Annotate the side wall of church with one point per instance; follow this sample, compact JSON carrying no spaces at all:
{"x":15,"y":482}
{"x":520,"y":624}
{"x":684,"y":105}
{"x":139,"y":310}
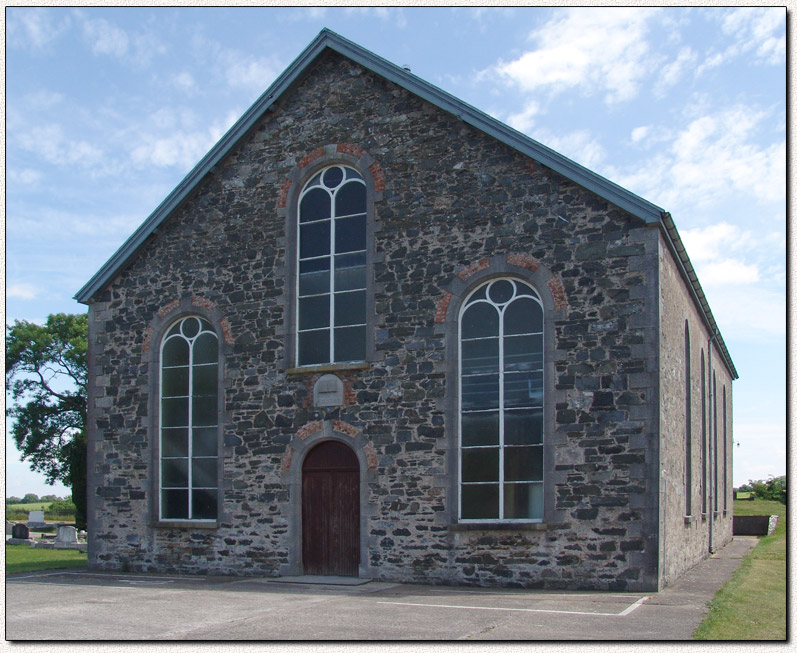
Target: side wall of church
{"x":689,"y":534}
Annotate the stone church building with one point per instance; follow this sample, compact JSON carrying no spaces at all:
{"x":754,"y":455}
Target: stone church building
{"x":377,"y":333}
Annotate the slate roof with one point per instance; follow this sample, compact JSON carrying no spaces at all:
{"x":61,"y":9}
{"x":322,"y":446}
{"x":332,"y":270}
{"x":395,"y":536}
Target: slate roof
{"x":611,"y":192}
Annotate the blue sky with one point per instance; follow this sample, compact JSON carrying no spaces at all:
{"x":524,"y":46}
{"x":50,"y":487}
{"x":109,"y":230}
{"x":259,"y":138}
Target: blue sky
{"x":107,"y":109}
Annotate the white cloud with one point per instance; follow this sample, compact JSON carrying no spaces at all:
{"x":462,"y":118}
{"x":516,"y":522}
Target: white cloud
{"x":747,"y":298}
{"x":639,"y":134}
{"x":106,"y":38}
{"x":22,"y":291}
{"x":25,"y":176}
{"x":50,"y":144}
{"x":719,"y":253}
{"x":710,"y":158}
{"x":394,"y":15}
{"x":173,"y":140}
{"x":42,"y":100}
{"x":730,"y":272}
{"x":580,"y":146}
{"x":751,"y":313}
{"x":671,"y":73}
{"x":34,"y":27}
{"x":594,"y":49}
{"x":712,"y":242}
{"x":184,"y":81}
{"x":524,"y":120}
{"x":300,"y":14}
{"x":758,"y":34}
{"x":255,"y":73}
{"x":760,"y":31}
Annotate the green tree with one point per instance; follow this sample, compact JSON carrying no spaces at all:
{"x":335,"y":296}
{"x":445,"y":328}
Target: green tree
{"x":30,"y":498}
{"x":46,"y":374}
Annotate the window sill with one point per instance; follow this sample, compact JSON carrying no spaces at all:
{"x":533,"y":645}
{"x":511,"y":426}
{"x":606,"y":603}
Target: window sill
{"x":328,"y":367}
{"x":498,"y":526}
{"x":688,"y":519}
{"x":185,"y":524}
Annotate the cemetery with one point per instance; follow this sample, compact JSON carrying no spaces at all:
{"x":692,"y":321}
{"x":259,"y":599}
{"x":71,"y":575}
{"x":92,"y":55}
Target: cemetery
{"x":38,"y":533}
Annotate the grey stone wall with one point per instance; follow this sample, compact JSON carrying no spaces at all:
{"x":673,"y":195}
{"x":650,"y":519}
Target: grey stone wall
{"x":686,"y":539}
{"x":451,"y":208}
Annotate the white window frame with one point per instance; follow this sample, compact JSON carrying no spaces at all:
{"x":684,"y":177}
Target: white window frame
{"x":315,"y":183}
{"x":205,"y":327}
{"x":501,"y":408}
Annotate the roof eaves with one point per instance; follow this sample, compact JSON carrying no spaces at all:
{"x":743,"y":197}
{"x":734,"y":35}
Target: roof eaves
{"x":688,"y":272}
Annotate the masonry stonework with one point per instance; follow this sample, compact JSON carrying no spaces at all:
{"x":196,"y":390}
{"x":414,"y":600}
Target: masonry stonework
{"x":452,"y":207}
{"x":690,"y":538}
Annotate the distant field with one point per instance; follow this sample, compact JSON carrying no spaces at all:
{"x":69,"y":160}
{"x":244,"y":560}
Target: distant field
{"x":27,"y":507}
{"x":20,"y":511}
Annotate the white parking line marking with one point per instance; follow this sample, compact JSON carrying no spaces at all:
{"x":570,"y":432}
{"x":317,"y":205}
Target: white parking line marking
{"x":124,"y":577}
{"x":624,"y":613}
{"x":529,"y":594}
{"x":55,"y":573}
{"x":633,"y":606}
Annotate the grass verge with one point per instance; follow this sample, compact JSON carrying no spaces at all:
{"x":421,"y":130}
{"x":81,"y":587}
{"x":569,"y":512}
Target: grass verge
{"x":752,"y":605}
{"x":20,"y":557}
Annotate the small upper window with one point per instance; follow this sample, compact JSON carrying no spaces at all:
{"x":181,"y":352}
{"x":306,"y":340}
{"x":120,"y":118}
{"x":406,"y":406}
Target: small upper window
{"x":189,"y":421}
{"x":331,"y":313}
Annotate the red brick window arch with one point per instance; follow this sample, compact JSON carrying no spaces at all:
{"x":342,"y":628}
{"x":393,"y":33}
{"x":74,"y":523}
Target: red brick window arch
{"x":331,"y":258}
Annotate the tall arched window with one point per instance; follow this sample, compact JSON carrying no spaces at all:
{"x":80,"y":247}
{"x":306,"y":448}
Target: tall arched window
{"x":501,"y":403}
{"x":724,"y":451}
{"x":688,"y":421}
{"x":704,"y":434}
{"x":715,"y":444}
{"x":189,"y":374}
{"x":331,"y":312}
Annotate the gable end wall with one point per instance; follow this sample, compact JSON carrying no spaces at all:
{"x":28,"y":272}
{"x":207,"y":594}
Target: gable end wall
{"x":450,"y":198}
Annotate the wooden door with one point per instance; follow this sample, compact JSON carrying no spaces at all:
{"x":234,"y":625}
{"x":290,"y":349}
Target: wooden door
{"x":331,"y":511}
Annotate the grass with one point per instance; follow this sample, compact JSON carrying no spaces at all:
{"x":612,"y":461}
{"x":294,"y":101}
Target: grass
{"x":27,"y":507}
{"x":752,"y":605}
{"x":20,"y":557}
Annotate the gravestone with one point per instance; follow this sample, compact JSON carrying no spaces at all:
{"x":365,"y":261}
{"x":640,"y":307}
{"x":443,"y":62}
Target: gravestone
{"x":9,"y":528}
{"x":36,"y":518}
{"x":20,"y":532}
{"x":66,"y":535}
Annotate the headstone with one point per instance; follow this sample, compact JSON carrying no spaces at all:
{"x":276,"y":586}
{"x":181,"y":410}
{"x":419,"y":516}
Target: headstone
{"x":328,"y":391}
{"x":9,"y":527}
{"x":20,"y":532}
{"x":36,"y":517}
{"x":66,"y":534}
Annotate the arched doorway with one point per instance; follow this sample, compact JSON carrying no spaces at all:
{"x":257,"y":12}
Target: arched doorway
{"x":331,"y":510}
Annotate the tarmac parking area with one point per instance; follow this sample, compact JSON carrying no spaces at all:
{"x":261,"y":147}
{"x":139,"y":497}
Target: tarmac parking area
{"x":86,"y":605}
